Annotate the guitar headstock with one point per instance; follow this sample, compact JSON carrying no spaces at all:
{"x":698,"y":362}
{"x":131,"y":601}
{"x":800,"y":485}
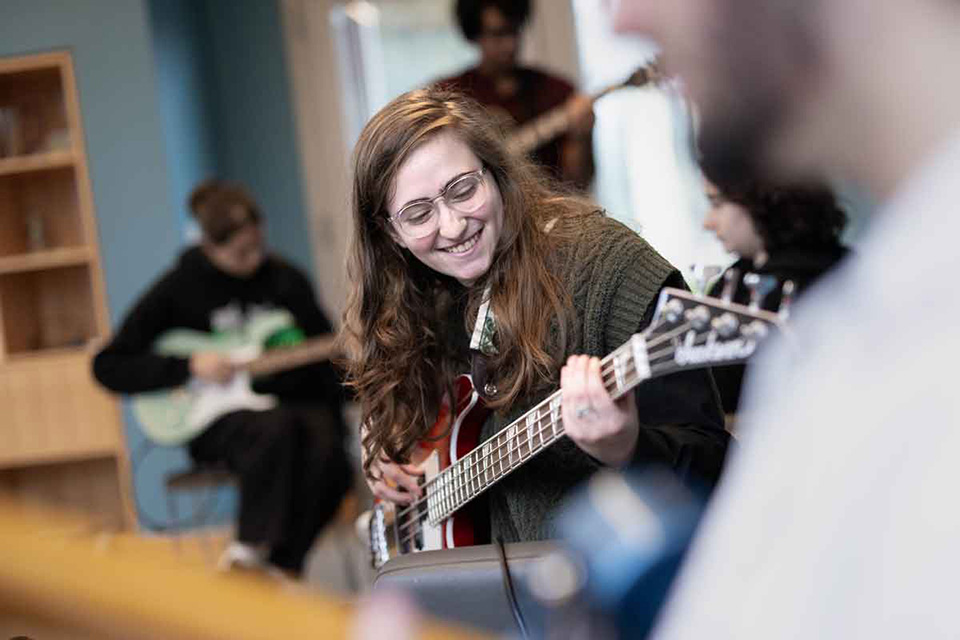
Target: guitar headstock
{"x":691,"y":331}
{"x":650,"y":73}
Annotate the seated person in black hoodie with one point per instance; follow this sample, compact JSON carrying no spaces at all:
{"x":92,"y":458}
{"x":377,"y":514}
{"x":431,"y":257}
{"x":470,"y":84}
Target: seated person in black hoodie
{"x":290,"y":459}
{"x":788,"y":233}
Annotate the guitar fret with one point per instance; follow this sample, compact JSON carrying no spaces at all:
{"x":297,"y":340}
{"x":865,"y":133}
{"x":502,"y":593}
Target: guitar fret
{"x":618,"y":371}
{"x":555,"y":406}
{"x":500,"y":453}
{"x":442,"y":497}
{"x":468,"y":468}
{"x":449,"y":486}
{"x":458,"y":490}
{"x":487,"y":467}
{"x":431,"y":506}
{"x":445,"y":494}
{"x":455,"y":491}
{"x":458,"y":496}
{"x":533,"y":421}
{"x":511,"y":443}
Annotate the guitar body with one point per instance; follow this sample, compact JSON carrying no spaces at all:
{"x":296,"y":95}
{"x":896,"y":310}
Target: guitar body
{"x":455,"y":434}
{"x":174,"y":416}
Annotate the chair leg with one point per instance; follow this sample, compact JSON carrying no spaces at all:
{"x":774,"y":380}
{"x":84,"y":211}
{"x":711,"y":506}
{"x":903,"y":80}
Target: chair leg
{"x":206,"y":545}
{"x":174,"y":523}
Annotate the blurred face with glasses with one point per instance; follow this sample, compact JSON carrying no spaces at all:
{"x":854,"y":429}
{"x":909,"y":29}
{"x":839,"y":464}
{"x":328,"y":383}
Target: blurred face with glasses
{"x":446,"y":209}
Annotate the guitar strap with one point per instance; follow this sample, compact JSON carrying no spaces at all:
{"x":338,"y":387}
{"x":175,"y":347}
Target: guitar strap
{"x":483,"y":339}
{"x":483,"y":344}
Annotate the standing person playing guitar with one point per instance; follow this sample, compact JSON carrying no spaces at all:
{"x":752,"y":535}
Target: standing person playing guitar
{"x":521,"y":93}
{"x":464,"y":259}
{"x":287,"y":451}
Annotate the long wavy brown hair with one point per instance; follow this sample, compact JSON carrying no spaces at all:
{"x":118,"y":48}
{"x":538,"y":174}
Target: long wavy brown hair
{"x":396,"y":324}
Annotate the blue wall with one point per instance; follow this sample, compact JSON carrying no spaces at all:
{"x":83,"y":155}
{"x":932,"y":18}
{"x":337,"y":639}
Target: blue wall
{"x":255,"y":131}
{"x":183,"y":79}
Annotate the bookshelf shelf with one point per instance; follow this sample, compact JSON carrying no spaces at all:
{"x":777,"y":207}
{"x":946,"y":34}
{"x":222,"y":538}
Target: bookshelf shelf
{"x":36,"y":162}
{"x":61,"y":438}
{"x":48,"y":259}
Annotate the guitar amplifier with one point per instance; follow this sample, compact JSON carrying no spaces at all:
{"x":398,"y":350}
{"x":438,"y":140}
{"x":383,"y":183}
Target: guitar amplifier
{"x":466,"y":585}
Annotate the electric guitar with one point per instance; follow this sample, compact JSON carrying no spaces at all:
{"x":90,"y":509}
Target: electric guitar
{"x":557,"y":121}
{"x":174,"y":416}
{"x":687,"y":332}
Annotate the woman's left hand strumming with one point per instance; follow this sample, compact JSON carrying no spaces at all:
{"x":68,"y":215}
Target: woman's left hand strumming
{"x":604,"y":428}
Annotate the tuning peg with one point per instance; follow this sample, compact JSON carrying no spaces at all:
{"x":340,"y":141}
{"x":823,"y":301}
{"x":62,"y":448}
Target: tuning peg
{"x":756,"y":330}
{"x":786,"y":299}
{"x":698,"y":317}
{"x":759,"y":286}
{"x":673,"y":311}
{"x":729,"y":284}
{"x":726,"y":325}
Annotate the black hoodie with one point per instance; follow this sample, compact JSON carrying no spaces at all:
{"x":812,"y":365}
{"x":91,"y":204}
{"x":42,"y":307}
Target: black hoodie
{"x":197,"y":295}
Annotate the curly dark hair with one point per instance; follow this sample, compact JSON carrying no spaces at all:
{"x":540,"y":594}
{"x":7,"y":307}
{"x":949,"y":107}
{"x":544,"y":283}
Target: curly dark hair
{"x":803,"y":216}
{"x":469,"y":13}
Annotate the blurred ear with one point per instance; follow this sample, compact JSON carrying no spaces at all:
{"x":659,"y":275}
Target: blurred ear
{"x":392,"y":230}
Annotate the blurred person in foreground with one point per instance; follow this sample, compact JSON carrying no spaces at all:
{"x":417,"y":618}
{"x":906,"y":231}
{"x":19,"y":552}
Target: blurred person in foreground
{"x":791,"y":233}
{"x":836,"y":518}
{"x":520,"y":94}
{"x":290,"y":460}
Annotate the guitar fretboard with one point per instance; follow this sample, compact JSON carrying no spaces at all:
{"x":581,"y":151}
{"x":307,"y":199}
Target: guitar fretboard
{"x":527,"y":436}
{"x":313,"y":350}
{"x":545,"y":128}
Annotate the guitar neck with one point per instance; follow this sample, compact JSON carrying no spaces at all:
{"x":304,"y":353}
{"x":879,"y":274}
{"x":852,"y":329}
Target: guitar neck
{"x":558,"y":121}
{"x":687,"y":332}
{"x":526,"y":437}
{"x":552,"y":124}
{"x":274,"y":361}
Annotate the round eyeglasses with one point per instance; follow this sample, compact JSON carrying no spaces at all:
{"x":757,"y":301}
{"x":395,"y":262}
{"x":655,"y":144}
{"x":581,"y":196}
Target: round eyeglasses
{"x":421,"y":218}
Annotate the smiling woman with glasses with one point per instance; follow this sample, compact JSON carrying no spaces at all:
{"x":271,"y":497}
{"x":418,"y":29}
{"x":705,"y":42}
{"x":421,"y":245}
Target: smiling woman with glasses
{"x":466,"y":258}
{"x":464,"y":194}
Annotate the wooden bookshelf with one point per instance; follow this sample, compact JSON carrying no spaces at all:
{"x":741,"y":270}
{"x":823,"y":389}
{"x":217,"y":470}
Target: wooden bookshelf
{"x":45,"y":259}
{"x":61,"y":437}
{"x":36,"y":162}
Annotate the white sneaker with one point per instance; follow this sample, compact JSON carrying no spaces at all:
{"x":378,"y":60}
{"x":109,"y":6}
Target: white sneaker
{"x":240,"y":555}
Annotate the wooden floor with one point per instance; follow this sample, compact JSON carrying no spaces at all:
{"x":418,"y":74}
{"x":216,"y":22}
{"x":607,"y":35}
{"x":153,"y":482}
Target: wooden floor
{"x":60,"y":579}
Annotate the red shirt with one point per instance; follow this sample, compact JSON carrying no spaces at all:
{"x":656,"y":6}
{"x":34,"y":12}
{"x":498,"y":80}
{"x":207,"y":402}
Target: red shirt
{"x":537,"y":93}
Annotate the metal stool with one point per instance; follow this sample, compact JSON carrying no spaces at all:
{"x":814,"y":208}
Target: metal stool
{"x":200,"y":477}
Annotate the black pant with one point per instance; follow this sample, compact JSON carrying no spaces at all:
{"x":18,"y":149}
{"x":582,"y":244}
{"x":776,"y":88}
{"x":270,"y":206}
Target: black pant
{"x":293,"y":474}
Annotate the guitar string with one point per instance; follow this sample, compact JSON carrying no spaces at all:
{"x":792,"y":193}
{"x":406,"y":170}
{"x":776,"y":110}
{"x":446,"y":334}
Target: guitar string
{"x":627,"y":346}
{"x":442,"y":476}
{"x":417,"y":523}
{"x":462,"y":483}
{"x":525,"y":435}
{"x":414,"y":524}
{"x":447,"y":474}
{"x":461,"y":488}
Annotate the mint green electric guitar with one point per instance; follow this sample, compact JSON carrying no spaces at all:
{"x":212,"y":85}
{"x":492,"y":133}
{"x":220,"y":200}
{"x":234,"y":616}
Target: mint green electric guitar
{"x":174,"y":416}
